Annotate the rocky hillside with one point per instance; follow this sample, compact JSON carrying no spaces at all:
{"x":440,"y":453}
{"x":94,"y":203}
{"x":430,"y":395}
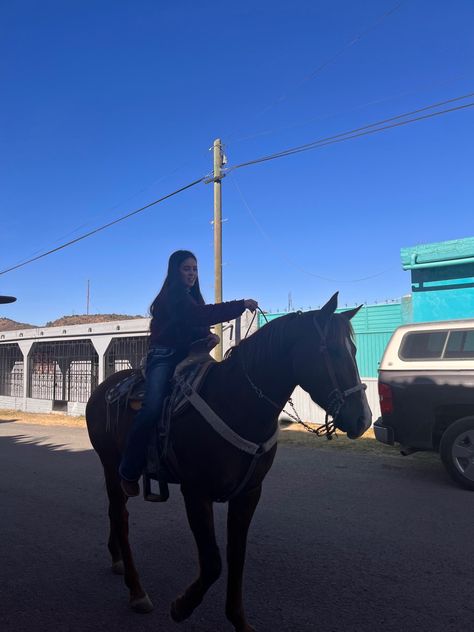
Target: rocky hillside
{"x":6,"y":324}
{"x":82,"y":319}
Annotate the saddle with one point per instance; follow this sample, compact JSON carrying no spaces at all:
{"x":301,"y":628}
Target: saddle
{"x":161,"y":466}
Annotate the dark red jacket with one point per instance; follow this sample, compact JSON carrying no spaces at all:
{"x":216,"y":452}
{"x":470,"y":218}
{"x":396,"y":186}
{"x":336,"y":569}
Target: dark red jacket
{"x":182,"y":322}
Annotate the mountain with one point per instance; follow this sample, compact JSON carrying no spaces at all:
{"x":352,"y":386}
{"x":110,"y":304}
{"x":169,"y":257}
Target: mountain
{"x":7,"y":324}
{"x":81,"y":319}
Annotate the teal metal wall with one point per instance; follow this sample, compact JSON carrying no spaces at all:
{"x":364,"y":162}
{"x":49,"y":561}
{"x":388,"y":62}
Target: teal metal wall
{"x":373,"y":326}
{"x":442,"y":279}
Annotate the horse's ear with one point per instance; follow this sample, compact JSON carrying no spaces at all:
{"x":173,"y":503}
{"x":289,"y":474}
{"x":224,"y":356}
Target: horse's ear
{"x":330,"y":306}
{"x":350,"y":313}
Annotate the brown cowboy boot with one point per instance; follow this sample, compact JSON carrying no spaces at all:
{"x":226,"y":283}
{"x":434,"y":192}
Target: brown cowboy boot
{"x":130,"y":488}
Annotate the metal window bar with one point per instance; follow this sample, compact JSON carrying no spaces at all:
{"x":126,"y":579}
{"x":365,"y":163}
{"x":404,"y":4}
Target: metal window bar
{"x":125,"y":353}
{"x":63,"y":371}
{"x":11,"y":370}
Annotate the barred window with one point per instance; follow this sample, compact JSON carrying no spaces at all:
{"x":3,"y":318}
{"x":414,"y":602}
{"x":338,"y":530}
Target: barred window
{"x":11,"y":370}
{"x":66,"y":371}
{"x":125,"y":353}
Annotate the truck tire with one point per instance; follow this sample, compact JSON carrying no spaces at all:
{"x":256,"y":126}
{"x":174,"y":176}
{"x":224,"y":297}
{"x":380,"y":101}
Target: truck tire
{"x":457,"y":451}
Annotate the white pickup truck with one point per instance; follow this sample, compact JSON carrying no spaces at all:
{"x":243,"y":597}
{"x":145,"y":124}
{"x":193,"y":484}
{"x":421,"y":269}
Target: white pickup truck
{"x":426,"y":391}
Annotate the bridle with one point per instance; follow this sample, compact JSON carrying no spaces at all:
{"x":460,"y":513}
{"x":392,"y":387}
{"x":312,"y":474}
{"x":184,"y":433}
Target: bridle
{"x":336,"y":397}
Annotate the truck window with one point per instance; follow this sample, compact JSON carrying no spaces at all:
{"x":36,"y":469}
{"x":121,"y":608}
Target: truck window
{"x":460,"y":344}
{"x":423,"y":345}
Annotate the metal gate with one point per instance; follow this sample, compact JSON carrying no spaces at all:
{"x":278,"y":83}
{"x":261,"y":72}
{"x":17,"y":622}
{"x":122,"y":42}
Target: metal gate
{"x":125,"y":353}
{"x":66,"y":371}
{"x":11,"y":370}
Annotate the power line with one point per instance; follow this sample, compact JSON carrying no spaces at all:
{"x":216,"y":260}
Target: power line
{"x":327,"y":62}
{"x":357,"y":133}
{"x":287,"y":259}
{"x":112,"y":208}
{"x":361,"y":106}
{"x":96,"y":230}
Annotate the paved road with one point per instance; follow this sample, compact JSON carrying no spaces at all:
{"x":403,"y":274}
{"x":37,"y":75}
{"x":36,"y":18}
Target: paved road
{"x":340,"y":543}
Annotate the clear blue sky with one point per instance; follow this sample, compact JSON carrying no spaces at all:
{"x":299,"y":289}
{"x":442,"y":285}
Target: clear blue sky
{"x":107,"y":105}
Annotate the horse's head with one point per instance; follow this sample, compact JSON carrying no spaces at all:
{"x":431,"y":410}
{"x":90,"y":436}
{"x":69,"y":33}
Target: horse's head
{"x":324,"y":364}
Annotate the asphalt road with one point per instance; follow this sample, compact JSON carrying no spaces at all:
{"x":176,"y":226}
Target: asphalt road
{"x":340,"y":542}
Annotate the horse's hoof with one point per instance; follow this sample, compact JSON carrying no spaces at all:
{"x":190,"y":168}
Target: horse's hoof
{"x":141,"y":604}
{"x":118,"y":568}
{"x":178,"y":613}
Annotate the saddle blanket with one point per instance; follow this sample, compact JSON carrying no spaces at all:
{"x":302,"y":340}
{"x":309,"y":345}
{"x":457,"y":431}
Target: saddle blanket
{"x":130,"y":392}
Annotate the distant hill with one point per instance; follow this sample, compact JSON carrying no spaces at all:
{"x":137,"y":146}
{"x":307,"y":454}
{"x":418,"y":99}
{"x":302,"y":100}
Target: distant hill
{"x":82,"y":319}
{"x":6,"y":324}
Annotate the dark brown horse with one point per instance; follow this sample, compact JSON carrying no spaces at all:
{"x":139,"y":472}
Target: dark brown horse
{"x":248,"y":391}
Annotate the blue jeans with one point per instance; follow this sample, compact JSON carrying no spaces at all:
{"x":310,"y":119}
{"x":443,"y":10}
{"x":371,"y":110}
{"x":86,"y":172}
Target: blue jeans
{"x":160,"y":365}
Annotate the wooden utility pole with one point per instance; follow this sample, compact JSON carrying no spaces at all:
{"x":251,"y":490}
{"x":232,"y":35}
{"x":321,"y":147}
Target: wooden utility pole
{"x":88,"y":296}
{"x":218,"y":238}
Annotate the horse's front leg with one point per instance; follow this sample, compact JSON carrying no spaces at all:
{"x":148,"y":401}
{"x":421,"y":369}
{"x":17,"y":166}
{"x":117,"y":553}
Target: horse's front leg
{"x":239,"y":517}
{"x":201,"y":520}
{"x":119,"y":545}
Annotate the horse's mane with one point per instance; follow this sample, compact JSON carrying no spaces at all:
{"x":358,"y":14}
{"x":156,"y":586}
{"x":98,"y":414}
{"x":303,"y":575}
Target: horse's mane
{"x":267,"y":339}
{"x":273,"y":337}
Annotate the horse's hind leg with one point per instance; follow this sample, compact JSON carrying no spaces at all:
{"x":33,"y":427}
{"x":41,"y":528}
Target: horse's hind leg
{"x":119,"y":545}
{"x":201,"y":520}
{"x":113,"y":493}
{"x":239,"y":517}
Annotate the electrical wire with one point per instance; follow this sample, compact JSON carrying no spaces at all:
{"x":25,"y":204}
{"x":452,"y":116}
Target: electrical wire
{"x":332,"y":59}
{"x":128,"y":198}
{"x":327,"y":62}
{"x":287,"y":259}
{"x":357,"y":133}
{"x":362,"y":106}
{"x":100,"y":228}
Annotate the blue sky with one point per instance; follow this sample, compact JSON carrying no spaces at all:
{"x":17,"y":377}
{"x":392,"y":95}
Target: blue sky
{"x":108,"y":105}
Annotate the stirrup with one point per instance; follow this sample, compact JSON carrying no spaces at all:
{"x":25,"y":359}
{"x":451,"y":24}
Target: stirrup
{"x":151,"y":496}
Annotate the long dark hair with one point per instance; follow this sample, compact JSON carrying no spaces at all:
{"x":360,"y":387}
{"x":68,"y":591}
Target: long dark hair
{"x":173,"y":288}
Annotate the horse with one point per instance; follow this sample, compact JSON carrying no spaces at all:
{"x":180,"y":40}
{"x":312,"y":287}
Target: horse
{"x":248,"y":390}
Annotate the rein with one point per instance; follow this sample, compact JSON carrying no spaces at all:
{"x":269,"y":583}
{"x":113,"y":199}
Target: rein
{"x":336,"y":397}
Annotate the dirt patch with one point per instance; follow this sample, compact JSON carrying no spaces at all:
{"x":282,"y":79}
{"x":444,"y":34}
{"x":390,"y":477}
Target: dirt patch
{"x":42,"y":419}
{"x":297,"y":435}
{"x":292,"y":434}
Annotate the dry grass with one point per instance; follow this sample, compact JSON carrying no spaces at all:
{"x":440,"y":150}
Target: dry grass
{"x":42,"y":419}
{"x":291,"y":434}
{"x":295,"y":434}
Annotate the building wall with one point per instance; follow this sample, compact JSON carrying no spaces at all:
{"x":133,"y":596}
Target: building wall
{"x":373,"y":325}
{"x":101,"y":336}
{"x":442,"y":279}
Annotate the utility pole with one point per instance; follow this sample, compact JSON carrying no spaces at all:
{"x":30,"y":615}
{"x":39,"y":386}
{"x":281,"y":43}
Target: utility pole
{"x":88,"y":296}
{"x":218,"y":238}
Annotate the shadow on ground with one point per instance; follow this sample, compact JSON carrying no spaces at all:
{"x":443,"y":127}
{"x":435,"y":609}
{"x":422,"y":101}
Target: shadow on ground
{"x":340,"y":542}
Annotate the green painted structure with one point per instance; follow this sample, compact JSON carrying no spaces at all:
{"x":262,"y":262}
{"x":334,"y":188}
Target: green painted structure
{"x":442,"y":279}
{"x":373,"y":325}
{"x":442,"y":283}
